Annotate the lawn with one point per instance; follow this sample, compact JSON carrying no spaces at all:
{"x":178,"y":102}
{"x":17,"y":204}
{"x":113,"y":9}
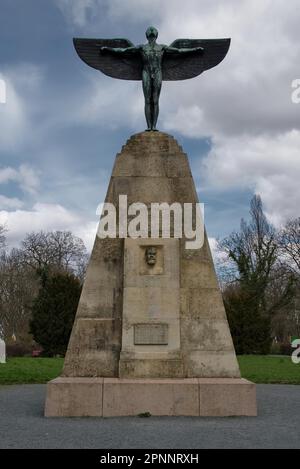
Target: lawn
{"x":30,"y":370}
{"x":269,"y":369}
{"x":256,"y":368}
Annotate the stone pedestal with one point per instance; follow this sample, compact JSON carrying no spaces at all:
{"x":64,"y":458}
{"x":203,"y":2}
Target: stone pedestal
{"x":145,"y":330}
{"x":112,"y":397}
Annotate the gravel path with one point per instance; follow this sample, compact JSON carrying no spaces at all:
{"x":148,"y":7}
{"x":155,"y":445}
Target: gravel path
{"x":22,"y":425}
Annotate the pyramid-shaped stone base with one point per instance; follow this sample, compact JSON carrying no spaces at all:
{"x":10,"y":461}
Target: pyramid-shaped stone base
{"x":150,"y":330}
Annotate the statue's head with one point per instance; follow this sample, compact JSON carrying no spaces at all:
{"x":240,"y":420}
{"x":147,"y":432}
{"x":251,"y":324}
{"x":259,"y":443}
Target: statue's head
{"x":151,"y":33}
{"x":150,"y":255}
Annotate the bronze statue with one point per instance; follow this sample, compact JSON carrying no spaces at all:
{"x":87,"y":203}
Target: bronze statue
{"x":150,"y":255}
{"x":152,"y":63}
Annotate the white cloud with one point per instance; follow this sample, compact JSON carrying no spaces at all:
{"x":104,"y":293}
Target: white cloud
{"x":244,"y":105}
{"x":109,"y":103}
{"x":46,"y":217}
{"x":51,"y":217}
{"x":249,"y":92}
{"x":135,"y":11}
{"x":12,"y":117}
{"x":7,"y":174}
{"x":78,"y":11}
{"x":26,"y":177}
{"x":10,"y":202}
{"x":267,"y":164}
{"x":83,"y":12}
{"x":16,"y":124}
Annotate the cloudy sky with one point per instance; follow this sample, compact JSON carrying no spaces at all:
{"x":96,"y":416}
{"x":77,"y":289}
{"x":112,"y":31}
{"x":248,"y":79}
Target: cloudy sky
{"x":63,"y":122}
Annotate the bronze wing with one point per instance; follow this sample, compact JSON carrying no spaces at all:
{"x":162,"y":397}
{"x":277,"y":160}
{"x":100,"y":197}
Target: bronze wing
{"x":181,"y":67}
{"x":125,"y":66}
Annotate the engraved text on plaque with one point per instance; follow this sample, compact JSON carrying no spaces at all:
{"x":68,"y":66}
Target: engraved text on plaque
{"x":151,"y":334}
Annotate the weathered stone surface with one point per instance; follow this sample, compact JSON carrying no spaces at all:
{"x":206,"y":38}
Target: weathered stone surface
{"x":146,"y":365}
{"x":198,"y":255}
{"x":221,"y":398}
{"x":206,"y":303}
{"x":74,"y":397}
{"x":195,"y":275}
{"x":157,"y":303}
{"x":218,"y":364}
{"x":94,"y":348}
{"x":151,"y":296}
{"x":181,"y":291}
{"x":158,"y":397}
{"x":151,"y":164}
{"x":136,"y":277}
{"x":206,"y":334}
{"x":110,"y":397}
{"x":120,"y":290}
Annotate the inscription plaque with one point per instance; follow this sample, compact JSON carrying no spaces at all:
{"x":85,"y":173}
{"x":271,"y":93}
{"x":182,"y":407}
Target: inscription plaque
{"x":151,"y":334}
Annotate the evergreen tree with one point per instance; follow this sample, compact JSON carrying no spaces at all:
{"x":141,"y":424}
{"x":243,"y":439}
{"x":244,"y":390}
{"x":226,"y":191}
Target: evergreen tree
{"x":53,"y":312}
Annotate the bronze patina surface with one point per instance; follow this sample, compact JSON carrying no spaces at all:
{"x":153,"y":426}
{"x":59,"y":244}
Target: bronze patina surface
{"x":152,"y":62}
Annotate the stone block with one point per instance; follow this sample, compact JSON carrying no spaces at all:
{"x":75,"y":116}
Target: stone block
{"x":211,"y":364}
{"x":94,"y":348}
{"x":101,"y":302}
{"x":151,"y":304}
{"x":144,"y":189}
{"x":202,"y":303}
{"x":115,"y":397}
{"x":139,"y":367}
{"x":88,"y":363}
{"x":206,"y":334}
{"x":158,"y":397}
{"x":228,"y":397}
{"x":195,"y":274}
{"x":74,"y":397}
{"x":151,"y":164}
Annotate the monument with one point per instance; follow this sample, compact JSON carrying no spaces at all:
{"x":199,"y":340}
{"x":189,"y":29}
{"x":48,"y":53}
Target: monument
{"x":150,"y":333}
{"x":2,"y":351}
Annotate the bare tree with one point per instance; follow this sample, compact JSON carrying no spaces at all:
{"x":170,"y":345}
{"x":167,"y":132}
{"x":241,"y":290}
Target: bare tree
{"x":40,"y":253}
{"x":18,"y":287}
{"x":289,"y":244}
{"x":59,"y":250}
{"x":261,"y":288}
{"x":252,"y":250}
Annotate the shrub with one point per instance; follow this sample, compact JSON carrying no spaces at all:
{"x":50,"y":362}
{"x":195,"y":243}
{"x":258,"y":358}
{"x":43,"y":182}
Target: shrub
{"x":286,"y":349}
{"x":18,"y":350}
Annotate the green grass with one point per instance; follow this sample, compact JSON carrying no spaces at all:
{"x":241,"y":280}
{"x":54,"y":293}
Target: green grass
{"x":30,"y":370}
{"x":256,"y":368}
{"x":269,"y":369}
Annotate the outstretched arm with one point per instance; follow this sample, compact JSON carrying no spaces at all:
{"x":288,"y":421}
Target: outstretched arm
{"x":183,"y":50}
{"x":119,"y":50}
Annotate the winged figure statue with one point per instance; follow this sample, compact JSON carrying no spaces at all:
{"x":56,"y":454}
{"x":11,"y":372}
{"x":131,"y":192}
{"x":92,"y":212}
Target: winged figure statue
{"x":152,"y":62}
